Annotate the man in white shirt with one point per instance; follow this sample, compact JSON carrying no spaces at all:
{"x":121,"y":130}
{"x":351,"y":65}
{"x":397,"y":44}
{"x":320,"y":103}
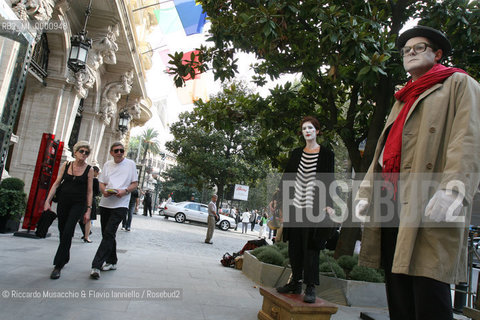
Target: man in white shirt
{"x":118,"y":178}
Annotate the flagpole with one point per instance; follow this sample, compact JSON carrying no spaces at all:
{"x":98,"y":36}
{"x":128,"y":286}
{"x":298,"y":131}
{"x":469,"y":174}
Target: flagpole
{"x":151,"y":5}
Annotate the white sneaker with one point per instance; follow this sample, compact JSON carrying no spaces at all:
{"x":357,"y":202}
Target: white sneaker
{"x":109,"y":266}
{"x":95,"y":274}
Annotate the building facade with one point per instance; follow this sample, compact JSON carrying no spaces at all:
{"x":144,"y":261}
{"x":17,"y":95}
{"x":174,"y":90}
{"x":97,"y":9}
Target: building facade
{"x":83,"y":105}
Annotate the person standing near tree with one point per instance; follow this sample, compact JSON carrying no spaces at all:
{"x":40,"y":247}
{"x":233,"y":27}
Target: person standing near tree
{"x":308,"y":167}
{"x":245,"y":220}
{"x":212,"y":216}
{"x":431,"y":139}
{"x":127,"y":220}
{"x":117,"y":180}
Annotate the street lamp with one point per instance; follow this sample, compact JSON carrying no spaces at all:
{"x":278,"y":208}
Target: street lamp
{"x":80,"y":45}
{"x":123,"y":121}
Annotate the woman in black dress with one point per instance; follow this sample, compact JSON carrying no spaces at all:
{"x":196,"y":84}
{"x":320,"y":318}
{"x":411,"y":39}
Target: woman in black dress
{"x":74,"y":201}
{"x":307,"y":169}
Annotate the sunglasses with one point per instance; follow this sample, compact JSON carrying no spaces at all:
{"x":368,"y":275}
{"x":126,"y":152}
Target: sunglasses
{"x":85,"y":152}
{"x":118,"y":150}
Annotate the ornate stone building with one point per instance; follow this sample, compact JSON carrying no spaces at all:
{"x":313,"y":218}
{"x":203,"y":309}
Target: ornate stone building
{"x":85,"y":105}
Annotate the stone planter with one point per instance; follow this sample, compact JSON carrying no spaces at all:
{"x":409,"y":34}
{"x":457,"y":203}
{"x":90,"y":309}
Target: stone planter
{"x":352,"y":293}
{"x":8,"y":224}
{"x":264,"y":274}
{"x":339,"y":291}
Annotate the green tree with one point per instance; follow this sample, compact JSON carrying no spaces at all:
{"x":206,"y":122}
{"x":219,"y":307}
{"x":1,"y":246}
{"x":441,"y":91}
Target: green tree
{"x":133,"y":145}
{"x":149,"y":142}
{"x":178,"y":181}
{"x":345,"y":52}
{"x":216,"y":143}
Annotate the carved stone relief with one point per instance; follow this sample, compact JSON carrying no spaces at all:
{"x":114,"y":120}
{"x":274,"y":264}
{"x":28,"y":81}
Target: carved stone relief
{"x":40,"y":10}
{"x":112,"y":94}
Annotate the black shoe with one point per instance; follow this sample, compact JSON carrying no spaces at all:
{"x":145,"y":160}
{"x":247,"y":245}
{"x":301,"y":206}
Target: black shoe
{"x":310,"y":295}
{"x":291,"y":287}
{"x":209,"y":242}
{"x":55,"y":273}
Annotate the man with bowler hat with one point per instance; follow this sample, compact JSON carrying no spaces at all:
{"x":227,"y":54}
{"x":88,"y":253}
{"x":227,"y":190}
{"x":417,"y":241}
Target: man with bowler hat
{"x":427,"y":161}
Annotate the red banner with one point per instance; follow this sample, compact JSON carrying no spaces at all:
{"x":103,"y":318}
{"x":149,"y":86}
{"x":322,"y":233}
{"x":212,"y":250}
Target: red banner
{"x":46,"y":170}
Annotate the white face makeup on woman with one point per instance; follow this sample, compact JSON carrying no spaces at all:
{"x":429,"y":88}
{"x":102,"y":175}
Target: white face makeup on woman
{"x":309,"y":131}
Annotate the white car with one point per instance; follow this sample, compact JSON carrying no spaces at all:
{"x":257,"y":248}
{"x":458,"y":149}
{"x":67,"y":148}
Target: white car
{"x":194,"y":211}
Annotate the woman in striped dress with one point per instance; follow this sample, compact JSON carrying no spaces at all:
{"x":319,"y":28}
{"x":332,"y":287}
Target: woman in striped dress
{"x":307,"y":225}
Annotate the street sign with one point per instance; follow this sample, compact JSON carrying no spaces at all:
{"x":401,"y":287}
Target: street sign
{"x":240,"y":192}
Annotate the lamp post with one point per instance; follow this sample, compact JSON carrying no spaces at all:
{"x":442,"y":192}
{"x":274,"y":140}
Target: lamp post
{"x":123,"y":121}
{"x":80,"y":44}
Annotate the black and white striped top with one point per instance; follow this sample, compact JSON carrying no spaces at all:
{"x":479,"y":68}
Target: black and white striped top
{"x":304,"y":186}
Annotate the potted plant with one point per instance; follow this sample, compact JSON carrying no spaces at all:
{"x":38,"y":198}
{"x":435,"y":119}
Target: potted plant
{"x":13,"y":202}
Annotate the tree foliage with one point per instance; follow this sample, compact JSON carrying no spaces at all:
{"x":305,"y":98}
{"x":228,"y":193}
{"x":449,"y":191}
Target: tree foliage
{"x":181,"y":183}
{"x":345,"y":53}
{"x":216,"y":142}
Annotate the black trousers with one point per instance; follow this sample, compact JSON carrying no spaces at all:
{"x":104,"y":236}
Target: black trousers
{"x":411,"y":297}
{"x":304,"y":261}
{"x":68,"y":213}
{"x":147,"y":208}
{"x":107,"y":250}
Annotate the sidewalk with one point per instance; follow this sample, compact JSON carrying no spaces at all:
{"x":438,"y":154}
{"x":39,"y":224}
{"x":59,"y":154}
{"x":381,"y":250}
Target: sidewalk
{"x":157,"y":256}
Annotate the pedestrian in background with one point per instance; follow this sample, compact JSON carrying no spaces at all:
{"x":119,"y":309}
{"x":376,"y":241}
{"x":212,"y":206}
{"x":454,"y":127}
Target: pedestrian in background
{"x":127,"y":220}
{"x":237,"y":218}
{"x":147,"y":203}
{"x":74,"y":201}
{"x":263,"y":225}
{"x":117,"y":180}
{"x":86,"y":227}
{"x":212,"y":216}
{"x":245,"y":221}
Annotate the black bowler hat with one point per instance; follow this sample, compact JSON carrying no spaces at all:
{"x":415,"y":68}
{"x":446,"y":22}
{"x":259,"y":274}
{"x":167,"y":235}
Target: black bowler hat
{"x":422,"y":31}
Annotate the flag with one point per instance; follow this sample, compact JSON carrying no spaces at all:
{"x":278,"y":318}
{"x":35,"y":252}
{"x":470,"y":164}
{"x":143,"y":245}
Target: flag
{"x":168,"y":20}
{"x":191,"y":15}
{"x":187,"y":56}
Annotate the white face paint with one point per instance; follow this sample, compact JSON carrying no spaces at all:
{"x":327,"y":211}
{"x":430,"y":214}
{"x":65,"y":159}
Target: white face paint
{"x":309,"y":132}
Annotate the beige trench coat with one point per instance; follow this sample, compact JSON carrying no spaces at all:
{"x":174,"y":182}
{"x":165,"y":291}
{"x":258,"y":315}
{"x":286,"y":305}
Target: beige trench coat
{"x":441,"y":142}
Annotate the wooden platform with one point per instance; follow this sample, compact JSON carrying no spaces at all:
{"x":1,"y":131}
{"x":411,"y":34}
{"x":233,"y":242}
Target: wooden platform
{"x":278,"y":306}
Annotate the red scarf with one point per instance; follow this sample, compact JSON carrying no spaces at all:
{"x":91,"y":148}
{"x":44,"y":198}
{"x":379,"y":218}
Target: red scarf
{"x":408,"y":94}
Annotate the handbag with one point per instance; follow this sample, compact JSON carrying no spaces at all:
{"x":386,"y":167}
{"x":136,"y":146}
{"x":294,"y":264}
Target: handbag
{"x":58,"y":192}
{"x":45,"y":221}
{"x":217,"y":218}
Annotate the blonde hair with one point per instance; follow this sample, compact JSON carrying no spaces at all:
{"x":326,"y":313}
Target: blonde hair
{"x":81,"y":144}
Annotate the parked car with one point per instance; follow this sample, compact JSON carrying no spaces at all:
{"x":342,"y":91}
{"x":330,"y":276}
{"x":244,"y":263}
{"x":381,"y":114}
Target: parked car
{"x":194,"y":211}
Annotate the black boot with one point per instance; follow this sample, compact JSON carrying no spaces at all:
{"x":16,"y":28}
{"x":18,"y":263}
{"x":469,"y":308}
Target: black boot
{"x":310,"y":295}
{"x":55,"y":273}
{"x":294,"y":287}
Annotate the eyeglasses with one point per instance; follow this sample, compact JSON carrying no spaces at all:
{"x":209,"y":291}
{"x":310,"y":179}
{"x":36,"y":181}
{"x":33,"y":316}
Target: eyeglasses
{"x":85,"y":152}
{"x":417,"y":48}
{"x":118,"y":150}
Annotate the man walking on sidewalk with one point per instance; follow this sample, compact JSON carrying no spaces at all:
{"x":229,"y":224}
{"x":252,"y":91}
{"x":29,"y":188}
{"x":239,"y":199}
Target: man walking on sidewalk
{"x":117,"y":180}
{"x":212,"y":214}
